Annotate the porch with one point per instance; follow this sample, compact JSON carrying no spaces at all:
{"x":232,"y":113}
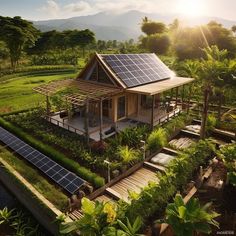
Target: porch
{"x":76,"y":124}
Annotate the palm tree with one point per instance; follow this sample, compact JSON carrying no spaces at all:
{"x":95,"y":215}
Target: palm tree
{"x":211,"y":72}
{"x":190,"y":69}
{"x":190,"y":217}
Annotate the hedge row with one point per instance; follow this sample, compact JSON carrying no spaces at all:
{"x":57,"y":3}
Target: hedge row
{"x":83,"y":172}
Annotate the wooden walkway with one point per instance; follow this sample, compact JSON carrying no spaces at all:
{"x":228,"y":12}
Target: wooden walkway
{"x":181,"y":143}
{"x":140,"y":178}
{"x":134,"y":182}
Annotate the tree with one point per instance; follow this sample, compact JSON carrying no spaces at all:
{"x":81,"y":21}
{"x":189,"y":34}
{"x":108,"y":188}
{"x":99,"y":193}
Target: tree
{"x":45,"y":42}
{"x":151,"y":27}
{"x":190,"y":217}
{"x":85,"y":38}
{"x":17,"y":33}
{"x":4,"y":53}
{"x":211,"y":72}
{"x":190,"y":41}
{"x":190,"y":69}
{"x":158,"y":43}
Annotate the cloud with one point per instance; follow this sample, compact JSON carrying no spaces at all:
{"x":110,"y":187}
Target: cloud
{"x":78,"y":7}
{"x":124,"y":5}
{"x":56,"y":9}
{"x":51,"y":8}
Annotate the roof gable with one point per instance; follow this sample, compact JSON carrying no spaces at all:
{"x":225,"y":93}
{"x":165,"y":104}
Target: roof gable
{"x":137,"y":69}
{"x":129,"y":70}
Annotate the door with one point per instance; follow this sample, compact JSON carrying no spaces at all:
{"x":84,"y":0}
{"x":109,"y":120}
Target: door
{"x":121,"y":107}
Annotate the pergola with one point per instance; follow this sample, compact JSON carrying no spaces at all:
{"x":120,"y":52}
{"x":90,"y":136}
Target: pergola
{"x":82,"y":92}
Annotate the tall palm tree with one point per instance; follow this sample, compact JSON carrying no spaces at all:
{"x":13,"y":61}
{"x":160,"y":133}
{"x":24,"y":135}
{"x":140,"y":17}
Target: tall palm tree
{"x":190,"y":69}
{"x":211,"y":72}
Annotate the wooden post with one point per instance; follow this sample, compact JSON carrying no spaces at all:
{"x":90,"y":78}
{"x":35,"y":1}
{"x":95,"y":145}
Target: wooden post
{"x":138,"y":104}
{"x":152,"y":112}
{"x":182,"y":98}
{"x":168,"y":108}
{"x":47,"y":105}
{"x":86,"y":121}
{"x":176,"y":97}
{"x":100,"y":118}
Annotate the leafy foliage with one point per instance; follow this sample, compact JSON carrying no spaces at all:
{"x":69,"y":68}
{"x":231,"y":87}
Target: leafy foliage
{"x":128,"y":155}
{"x":154,"y":197}
{"x":17,"y":34}
{"x":228,"y":153}
{"x":20,"y":222}
{"x":187,"y":218}
{"x":157,"y":139}
{"x":96,"y":218}
{"x":211,"y":123}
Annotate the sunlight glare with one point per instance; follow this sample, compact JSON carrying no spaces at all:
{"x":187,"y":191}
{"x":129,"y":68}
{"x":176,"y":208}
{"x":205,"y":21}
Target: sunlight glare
{"x":191,"y":7}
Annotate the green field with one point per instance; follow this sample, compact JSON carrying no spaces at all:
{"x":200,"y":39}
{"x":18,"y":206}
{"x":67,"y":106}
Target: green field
{"x":17,"y":93}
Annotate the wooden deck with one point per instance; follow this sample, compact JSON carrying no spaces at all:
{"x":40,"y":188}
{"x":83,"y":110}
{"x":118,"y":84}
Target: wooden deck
{"x":134,"y":182}
{"x":104,"y":198}
{"x":181,"y":143}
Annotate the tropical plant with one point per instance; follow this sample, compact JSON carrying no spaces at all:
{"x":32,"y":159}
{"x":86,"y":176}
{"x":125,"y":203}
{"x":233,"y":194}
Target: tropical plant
{"x":190,"y":68}
{"x":211,"y":71}
{"x":157,"y":139}
{"x":211,"y":123}
{"x":97,"y":216}
{"x":190,"y":217}
{"x":228,"y":154}
{"x":128,"y":155}
{"x":6,"y":215}
{"x":128,"y":229}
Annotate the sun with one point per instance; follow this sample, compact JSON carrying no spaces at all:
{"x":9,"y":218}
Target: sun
{"x":190,"y":7}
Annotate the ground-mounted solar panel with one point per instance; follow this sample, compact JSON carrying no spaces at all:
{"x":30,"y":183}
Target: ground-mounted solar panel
{"x":137,"y":69}
{"x":64,"y":178}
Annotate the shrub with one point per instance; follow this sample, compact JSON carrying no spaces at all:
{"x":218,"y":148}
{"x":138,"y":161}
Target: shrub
{"x":189,"y":218}
{"x":228,"y":154}
{"x":132,"y":136}
{"x":177,"y":123}
{"x":211,"y":123}
{"x":128,"y":155}
{"x":157,"y":139}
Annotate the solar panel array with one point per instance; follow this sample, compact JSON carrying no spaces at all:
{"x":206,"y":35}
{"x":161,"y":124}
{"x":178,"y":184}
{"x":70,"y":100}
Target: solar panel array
{"x":137,"y":69}
{"x":66,"y":179}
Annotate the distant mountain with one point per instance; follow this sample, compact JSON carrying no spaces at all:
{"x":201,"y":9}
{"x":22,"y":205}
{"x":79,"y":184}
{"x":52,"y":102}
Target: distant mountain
{"x":109,"y":26}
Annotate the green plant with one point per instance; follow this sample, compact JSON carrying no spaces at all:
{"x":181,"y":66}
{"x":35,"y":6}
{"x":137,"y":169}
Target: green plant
{"x":154,"y":197}
{"x":128,"y":155}
{"x":96,"y":218}
{"x":228,"y":154}
{"x":190,"y":217}
{"x":157,"y":139}
{"x":128,"y":229}
{"x":5,"y":215}
{"x":211,"y":122}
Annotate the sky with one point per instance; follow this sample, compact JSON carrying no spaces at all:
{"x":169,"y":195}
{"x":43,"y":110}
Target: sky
{"x":55,"y":9}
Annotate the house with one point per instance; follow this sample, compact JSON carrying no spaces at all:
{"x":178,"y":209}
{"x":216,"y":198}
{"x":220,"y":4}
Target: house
{"x":115,"y":91}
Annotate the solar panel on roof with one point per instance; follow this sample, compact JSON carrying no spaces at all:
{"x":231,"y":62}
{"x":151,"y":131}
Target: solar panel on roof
{"x":137,"y":69}
{"x":66,"y":179}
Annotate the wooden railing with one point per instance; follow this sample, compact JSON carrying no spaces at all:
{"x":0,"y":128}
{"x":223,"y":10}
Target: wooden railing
{"x":167,"y":117}
{"x":64,"y":125}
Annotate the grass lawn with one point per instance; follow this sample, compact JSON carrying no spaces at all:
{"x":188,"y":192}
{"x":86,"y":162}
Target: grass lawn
{"x":17,"y":93}
{"x":47,"y":189}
